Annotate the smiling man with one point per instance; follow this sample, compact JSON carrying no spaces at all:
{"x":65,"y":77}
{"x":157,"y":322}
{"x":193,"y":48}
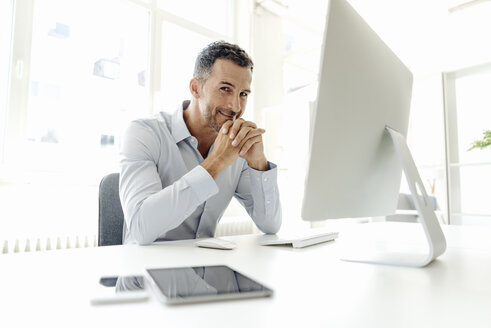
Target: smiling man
{"x":179,"y":171}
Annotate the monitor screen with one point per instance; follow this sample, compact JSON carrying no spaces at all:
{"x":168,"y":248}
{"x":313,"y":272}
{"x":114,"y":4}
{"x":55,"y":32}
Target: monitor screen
{"x":354,"y":170}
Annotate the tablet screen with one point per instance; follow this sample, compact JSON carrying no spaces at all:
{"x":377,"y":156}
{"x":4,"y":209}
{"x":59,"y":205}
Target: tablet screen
{"x":206,"y":283}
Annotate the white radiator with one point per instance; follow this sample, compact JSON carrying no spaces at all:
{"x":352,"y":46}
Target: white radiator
{"x":228,"y":226}
{"x":235,"y":225}
{"x":47,"y":244}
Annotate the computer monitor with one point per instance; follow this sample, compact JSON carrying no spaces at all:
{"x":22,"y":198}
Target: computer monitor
{"x":359,"y":127}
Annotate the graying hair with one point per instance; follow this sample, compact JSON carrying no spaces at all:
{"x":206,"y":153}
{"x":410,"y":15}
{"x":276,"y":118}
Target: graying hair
{"x":216,"y":50}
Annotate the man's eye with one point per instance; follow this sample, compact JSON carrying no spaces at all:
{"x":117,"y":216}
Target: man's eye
{"x":226,"y":89}
{"x":244,"y":94}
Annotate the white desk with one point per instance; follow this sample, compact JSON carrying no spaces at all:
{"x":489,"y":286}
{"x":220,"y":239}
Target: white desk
{"x":312,"y":287}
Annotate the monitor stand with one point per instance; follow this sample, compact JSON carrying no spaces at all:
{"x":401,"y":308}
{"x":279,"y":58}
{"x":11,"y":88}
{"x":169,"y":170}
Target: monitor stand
{"x":434,"y":235}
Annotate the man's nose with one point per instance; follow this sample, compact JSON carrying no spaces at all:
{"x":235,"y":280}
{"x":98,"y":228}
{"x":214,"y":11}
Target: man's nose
{"x":234,"y":104}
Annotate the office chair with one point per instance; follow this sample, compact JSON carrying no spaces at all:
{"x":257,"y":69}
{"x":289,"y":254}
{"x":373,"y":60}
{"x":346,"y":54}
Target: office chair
{"x":111,"y":217}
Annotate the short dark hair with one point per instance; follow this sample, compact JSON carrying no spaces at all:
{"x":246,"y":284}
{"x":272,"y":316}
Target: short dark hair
{"x":216,"y":50}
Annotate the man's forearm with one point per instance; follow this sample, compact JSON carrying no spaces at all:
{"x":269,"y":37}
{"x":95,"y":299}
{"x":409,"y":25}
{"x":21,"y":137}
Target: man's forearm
{"x":152,"y":211}
{"x":213,"y":165}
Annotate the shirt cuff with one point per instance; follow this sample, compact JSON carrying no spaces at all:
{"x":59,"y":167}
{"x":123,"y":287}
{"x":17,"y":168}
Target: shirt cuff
{"x":202,"y":183}
{"x":265,"y":179}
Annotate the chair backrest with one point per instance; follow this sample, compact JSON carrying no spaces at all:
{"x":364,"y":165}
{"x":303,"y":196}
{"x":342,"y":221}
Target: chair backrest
{"x":111,"y":217}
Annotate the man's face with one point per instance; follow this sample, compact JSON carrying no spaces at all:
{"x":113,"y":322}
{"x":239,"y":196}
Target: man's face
{"x":224,"y":95}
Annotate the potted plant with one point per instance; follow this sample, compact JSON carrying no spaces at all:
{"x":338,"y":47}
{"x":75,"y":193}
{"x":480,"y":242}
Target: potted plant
{"x":485,"y":142}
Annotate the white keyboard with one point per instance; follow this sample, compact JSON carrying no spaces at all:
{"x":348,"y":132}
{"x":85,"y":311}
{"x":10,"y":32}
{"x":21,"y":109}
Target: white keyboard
{"x":299,"y":241}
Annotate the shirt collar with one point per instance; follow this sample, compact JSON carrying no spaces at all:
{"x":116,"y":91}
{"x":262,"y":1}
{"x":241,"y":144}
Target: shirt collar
{"x":179,"y":129}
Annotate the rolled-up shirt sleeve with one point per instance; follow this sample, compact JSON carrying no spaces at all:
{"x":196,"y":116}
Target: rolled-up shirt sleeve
{"x":258,"y":193}
{"x":149,"y":209}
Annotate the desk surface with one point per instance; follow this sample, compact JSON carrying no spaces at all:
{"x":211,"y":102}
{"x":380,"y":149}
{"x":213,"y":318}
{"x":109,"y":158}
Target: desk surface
{"x":313,"y":288}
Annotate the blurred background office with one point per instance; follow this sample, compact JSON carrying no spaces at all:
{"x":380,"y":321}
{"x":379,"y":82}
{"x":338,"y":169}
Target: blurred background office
{"x":74,"y":73}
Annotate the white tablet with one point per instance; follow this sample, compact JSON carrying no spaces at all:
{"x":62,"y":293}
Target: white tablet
{"x":203,"y":284}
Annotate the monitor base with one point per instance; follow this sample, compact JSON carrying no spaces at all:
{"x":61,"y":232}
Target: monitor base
{"x":407,"y":257}
{"x":433,"y":232}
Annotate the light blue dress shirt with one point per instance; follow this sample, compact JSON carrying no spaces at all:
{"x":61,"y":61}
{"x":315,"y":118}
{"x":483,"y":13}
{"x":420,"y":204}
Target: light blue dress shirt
{"x":167,"y":195}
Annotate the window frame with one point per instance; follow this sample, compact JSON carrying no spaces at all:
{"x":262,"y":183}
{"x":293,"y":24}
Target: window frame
{"x":454,"y":210}
{"x":16,"y":109}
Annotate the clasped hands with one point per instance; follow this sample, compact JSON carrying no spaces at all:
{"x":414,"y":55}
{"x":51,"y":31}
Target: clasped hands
{"x":241,"y":138}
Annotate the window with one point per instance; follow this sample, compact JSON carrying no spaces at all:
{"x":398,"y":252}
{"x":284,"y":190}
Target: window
{"x":214,"y":15}
{"x":286,"y":76}
{"x":6,"y":11}
{"x":79,"y":72}
{"x":175,"y":78}
{"x":86,"y":82}
{"x":468,"y":112}
{"x":75,"y":90}
{"x":426,"y":139}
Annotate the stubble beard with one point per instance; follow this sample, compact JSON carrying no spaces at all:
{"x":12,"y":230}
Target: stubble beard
{"x":211,"y":120}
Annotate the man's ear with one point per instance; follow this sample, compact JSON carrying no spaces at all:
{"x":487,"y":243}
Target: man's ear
{"x":195,"y":87}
